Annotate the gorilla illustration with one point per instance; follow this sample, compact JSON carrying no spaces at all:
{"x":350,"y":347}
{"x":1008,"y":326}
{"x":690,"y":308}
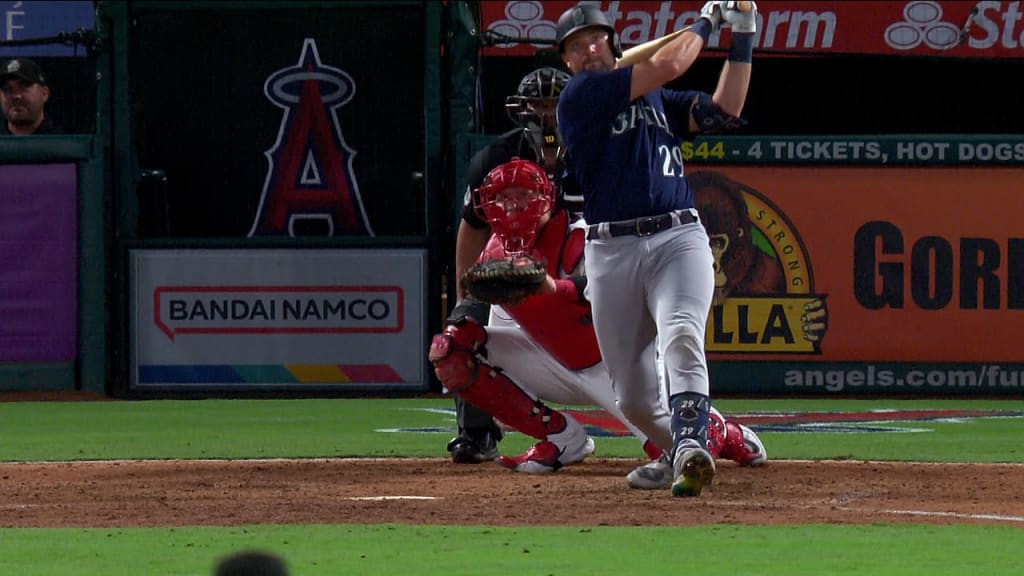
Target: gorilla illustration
{"x":741,"y":268}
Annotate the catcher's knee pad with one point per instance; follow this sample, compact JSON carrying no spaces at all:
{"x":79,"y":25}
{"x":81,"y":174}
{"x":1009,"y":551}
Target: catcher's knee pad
{"x":466,"y":333}
{"x":453,"y":353}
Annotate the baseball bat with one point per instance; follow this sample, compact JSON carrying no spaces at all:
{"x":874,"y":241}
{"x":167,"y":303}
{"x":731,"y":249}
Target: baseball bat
{"x":642,"y":51}
{"x":965,"y":31}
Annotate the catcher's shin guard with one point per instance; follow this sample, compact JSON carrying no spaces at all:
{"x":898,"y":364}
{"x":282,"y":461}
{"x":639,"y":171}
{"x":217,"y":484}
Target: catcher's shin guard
{"x":732,"y":441}
{"x":743,"y":446}
{"x":495,"y":393}
{"x":716,"y":433}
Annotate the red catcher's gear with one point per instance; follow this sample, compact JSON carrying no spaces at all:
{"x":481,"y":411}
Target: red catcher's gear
{"x":452,"y":353}
{"x":564,"y":329}
{"x":493,"y":392}
{"x":513,"y":198}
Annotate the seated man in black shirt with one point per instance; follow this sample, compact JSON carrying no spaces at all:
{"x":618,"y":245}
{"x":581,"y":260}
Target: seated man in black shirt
{"x":23,"y":96}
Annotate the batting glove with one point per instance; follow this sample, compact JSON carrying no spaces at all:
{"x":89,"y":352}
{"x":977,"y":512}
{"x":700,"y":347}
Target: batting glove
{"x":740,"y":22}
{"x":712,"y":12}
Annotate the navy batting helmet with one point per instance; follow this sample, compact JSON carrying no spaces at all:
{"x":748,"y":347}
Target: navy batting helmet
{"x":585,"y":16}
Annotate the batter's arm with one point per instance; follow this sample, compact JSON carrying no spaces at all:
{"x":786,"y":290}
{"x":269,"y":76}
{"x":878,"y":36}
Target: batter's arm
{"x":666,"y":64}
{"x":644,"y":51}
{"x":661,"y":61}
{"x":733,"y":84}
{"x":469,"y":244}
{"x":734,"y":80}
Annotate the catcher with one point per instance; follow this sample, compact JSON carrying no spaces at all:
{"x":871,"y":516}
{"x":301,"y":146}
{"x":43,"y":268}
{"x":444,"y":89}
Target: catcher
{"x":539,"y":345}
{"x":532,"y":109}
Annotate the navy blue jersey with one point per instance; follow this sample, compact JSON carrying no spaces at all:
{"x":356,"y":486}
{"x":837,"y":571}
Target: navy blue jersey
{"x":625,"y":155}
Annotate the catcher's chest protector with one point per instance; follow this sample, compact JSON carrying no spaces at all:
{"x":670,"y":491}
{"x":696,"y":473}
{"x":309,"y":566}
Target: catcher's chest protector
{"x":564,"y":329}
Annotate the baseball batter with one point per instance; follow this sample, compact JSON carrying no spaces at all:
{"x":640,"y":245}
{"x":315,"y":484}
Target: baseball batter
{"x":649,"y":262}
{"x":543,"y":349}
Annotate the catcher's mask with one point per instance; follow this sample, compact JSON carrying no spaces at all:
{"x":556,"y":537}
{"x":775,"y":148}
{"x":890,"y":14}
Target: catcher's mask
{"x":532,"y":108}
{"x":514,"y":198}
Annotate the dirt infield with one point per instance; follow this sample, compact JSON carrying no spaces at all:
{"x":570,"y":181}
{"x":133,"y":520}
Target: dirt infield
{"x":435,"y":491}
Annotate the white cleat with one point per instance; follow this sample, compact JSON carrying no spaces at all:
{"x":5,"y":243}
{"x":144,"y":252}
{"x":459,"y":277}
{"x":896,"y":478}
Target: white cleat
{"x":655,"y":475}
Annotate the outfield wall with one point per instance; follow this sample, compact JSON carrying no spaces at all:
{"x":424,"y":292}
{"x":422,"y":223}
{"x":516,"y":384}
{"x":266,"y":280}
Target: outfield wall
{"x":271,"y":208}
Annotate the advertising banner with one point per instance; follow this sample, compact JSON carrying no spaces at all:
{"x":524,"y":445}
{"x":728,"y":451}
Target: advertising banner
{"x":850,"y":266}
{"x":44,"y":19}
{"x":314,"y":141}
{"x":988,"y":29}
{"x":290,"y":319}
{"x":38,"y":263}
{"x":905,"y":150}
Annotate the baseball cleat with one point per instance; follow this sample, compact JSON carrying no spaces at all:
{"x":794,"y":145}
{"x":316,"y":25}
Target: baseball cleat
{"x":473,"y":448}
{"x":741,"y":445}
{"x":753,"y":453}
{"x":655,"y":475}
{"x":545,"y":457}
{"x":694,"y":468}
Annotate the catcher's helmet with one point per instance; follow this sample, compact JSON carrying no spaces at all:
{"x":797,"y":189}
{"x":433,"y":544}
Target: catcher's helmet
{"x":532,"y":108}
{"x":585,"y":16}
{"x":536,"y":88}
{"x":546,"y":82}
{"x":514,"y":198}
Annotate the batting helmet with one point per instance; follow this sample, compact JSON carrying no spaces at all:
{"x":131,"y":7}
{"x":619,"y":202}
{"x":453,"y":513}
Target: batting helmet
{"x":513,"y":199}
{"x":585,"y":16}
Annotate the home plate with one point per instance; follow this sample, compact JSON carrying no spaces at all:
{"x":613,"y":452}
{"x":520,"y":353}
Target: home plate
{"x":378,"y":498}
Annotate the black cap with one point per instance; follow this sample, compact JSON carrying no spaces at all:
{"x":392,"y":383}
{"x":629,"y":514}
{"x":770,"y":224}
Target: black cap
{"x":22,"y":68}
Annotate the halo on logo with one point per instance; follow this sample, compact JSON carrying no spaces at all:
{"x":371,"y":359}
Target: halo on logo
{"x":287,"y":86}
{"x":542,"y":30}
{"x":922,"y":12}
{"x":941,"y":36}
{"x":902,"y":36}
{"x":524,"y":11}
{"x":505,"y":29}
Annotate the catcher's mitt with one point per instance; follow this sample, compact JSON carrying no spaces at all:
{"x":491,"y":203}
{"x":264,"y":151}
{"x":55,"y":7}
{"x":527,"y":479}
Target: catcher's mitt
{"x":505,"y":281}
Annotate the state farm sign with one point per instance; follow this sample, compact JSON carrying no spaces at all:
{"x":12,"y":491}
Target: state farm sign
{"x":918,"y":27}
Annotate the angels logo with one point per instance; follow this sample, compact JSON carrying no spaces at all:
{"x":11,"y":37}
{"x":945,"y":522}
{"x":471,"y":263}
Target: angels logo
{"x":310,"y":184}
{"x":764,"y":287}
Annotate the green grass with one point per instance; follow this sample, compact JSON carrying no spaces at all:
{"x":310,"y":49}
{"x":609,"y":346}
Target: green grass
{"x":312,"y":428}
{"x":479,"y":550}
{"x":309,"y":428}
